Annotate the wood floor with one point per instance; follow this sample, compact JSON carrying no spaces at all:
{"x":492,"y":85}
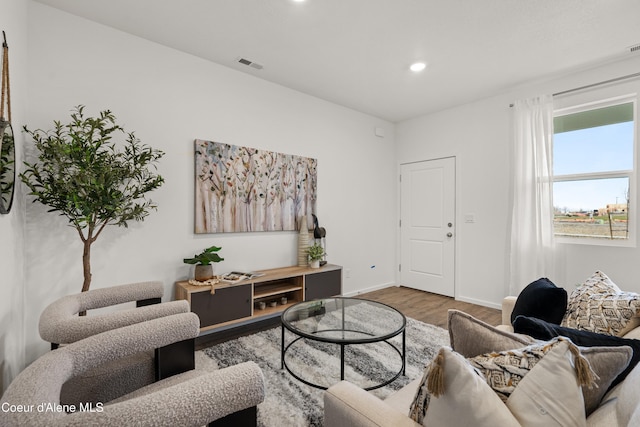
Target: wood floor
{"x":430,"y":308}
{"x":422,"y":306}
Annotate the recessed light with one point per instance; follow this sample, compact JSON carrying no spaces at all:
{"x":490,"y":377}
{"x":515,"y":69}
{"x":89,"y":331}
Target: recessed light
{"x":418,"y":66}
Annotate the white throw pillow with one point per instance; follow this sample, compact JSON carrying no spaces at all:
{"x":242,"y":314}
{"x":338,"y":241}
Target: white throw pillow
{"x":546,"y":392}
{"x":550,"y":394}
{"x":467,"y":400}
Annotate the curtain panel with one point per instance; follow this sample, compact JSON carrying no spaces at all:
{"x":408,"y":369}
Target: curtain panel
{"x":532,"y":244}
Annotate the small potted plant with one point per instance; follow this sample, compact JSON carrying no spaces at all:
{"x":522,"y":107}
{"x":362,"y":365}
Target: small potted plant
{"x":204,"y":269}
{"x":315,"y":254}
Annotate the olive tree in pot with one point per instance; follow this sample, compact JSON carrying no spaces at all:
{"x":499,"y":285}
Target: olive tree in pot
{"x":82,"y":173}
{"x":204,"y":269}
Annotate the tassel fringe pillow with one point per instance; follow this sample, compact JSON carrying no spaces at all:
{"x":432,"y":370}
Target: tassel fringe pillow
{"x":538,"y":385}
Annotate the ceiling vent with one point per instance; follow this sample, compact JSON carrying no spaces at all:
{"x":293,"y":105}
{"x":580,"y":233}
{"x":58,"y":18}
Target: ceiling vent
{"x":249,"y":63}
{"x":634,"y":48}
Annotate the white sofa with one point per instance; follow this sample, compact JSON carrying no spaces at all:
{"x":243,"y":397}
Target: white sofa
{"x":346,"y":405}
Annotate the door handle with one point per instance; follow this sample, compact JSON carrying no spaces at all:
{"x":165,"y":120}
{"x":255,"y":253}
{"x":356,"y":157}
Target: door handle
{"x":449,"y":234}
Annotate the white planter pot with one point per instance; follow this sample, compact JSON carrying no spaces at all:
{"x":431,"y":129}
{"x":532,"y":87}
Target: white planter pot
{"x":314,"y":264}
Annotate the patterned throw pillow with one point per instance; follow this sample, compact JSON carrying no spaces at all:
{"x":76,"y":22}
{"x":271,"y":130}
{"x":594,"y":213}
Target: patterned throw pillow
{"x":535,"y":385}
{"x":504,"y":370}
{"x":598,"y":305}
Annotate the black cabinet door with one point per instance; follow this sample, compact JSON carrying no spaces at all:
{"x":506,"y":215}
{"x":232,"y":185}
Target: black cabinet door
{"x":226,"y":304}
{"x":323,"y":285}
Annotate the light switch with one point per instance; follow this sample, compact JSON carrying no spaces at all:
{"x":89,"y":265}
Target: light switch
{"x":470,"y":218}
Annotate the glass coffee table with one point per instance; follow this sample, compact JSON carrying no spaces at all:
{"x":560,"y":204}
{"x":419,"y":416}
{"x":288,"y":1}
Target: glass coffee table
{"x":343,"y":322}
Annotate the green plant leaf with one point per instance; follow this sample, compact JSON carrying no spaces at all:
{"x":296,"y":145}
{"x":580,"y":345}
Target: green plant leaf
{"x":206,"y":257}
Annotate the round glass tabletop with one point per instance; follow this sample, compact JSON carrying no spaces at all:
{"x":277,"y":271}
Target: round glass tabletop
{"x":344,"y":320}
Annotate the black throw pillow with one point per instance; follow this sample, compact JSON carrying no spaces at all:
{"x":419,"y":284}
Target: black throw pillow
{"x":539,"y":329}
{"x":543,"y":300}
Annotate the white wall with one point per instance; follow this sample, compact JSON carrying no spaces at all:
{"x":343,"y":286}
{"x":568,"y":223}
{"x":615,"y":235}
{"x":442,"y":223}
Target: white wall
{"x":170,"y":98}
{"x":13,"y":21}
{"x":478,"y":134}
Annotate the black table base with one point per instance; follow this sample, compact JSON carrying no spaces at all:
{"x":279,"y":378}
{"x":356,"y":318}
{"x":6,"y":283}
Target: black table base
{"x":401,"y":353}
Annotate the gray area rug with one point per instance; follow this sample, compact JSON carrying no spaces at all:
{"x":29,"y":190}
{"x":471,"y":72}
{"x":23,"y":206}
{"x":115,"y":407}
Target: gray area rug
{"x":289,"y":402}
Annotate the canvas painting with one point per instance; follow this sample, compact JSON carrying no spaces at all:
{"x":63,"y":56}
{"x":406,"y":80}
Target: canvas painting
{"x":242,"y":189}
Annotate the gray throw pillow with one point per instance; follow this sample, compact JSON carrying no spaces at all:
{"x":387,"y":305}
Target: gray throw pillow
{"x":471,"y":337}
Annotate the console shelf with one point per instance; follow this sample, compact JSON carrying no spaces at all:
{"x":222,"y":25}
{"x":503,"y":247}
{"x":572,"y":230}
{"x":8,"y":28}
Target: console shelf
{"x":229,"y":304}
{"x":275,"y":289}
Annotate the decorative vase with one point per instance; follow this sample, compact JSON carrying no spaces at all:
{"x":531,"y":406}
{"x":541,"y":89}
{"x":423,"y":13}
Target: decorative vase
{"x":203,"y":272}
{"x":303,"y":242}
{"x":315,"y":263}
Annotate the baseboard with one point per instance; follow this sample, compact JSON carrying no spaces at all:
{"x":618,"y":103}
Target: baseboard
{"x":369,"y":289}
{"x":480,"y":302}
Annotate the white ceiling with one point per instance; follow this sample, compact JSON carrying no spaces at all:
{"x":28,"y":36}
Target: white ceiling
{"x":356,"y":53}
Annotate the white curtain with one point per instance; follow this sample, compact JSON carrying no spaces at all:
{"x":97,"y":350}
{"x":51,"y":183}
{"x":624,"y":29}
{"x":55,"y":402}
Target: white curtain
{"x":532,"y":243}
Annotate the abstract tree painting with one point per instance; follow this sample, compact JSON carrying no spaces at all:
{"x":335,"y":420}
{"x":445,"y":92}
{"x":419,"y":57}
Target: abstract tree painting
{"x":240,"y":189}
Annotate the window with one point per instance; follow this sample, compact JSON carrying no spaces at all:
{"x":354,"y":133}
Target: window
{"x":593,"y":168}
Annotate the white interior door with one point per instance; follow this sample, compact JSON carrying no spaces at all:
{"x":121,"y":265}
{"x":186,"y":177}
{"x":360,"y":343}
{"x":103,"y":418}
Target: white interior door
{"x":427,"y":229}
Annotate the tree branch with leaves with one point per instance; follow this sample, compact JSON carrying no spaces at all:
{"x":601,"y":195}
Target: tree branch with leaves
{"x":82,"y":174}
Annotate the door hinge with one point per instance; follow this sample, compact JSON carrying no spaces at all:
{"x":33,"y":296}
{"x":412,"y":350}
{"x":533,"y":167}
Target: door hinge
{"x":399,"y":267}
{"x":399,"y":223}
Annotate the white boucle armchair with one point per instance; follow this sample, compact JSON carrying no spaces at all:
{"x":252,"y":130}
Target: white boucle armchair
{"x":193,"y":398}
{"x":60,"y":325}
